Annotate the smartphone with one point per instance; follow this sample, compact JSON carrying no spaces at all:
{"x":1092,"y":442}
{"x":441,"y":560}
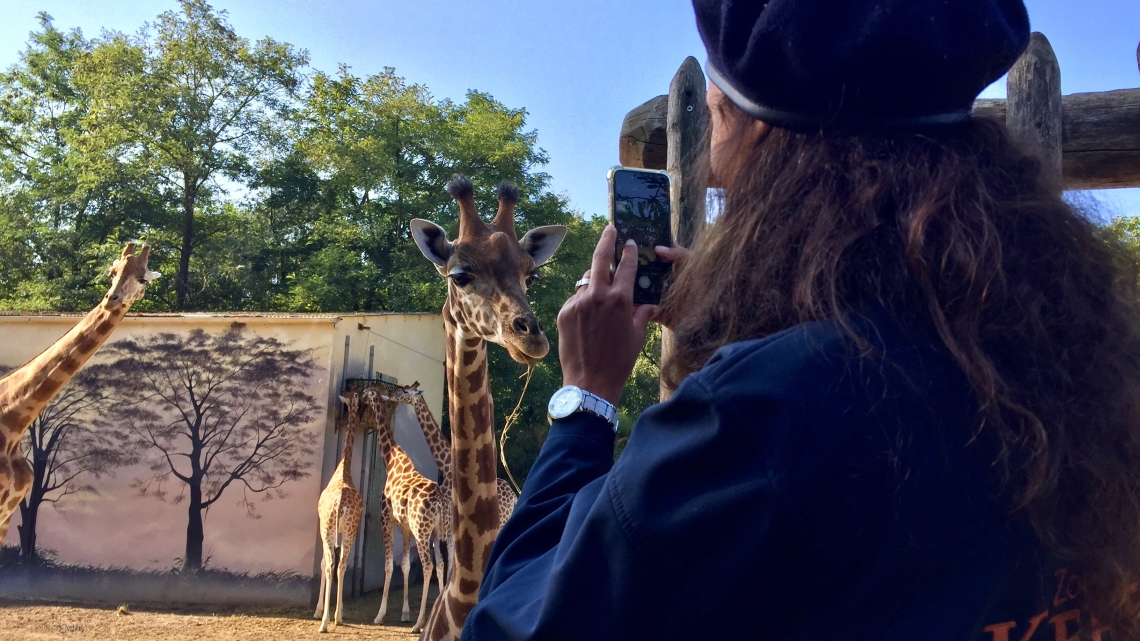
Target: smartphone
{"x":640,"y":209}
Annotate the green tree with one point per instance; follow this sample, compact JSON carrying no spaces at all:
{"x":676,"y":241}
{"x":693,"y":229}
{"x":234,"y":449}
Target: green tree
{"x":189,"y":101}
{"x":57,"y":227}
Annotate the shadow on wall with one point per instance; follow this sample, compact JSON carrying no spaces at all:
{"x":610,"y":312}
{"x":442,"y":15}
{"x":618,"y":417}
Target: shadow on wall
{"x":44,"y":578}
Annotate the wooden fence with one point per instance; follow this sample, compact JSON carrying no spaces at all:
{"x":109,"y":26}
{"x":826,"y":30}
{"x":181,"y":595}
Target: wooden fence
{"x":1086,"y":140}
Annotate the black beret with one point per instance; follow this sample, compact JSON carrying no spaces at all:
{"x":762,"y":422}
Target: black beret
{"x":859,"y":64}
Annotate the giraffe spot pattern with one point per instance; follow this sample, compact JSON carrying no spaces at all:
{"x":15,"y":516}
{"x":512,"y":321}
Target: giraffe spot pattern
{"x":477,"y":380}
{"x":465,"y":551}
{"x":86,"y":344}
{"x":481,"y":416}
{"x":12,"y":420}
{"x":485,"y":464}
{"x":487,"y":555}
{"x":105,"y":327}
{"x":463,"y":489}
{"x":468,"y":587}
{"x":469,"y":357}
{"x":460,"y":610}
{"x":473,"y":342}
{"x":46,"y":390}
{"x":485,"y":515}
{"x":69,"y":364}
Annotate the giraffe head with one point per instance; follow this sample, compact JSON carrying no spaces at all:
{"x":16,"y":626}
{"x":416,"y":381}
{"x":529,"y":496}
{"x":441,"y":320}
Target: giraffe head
{"x":129,"y":276}
{"x":379,"y":406}
{"x":488,"y":269}
{"x":407,"y":395}
{"x":351,"y":407}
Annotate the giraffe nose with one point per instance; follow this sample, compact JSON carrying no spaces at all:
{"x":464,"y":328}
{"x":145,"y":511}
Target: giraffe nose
{"x":527,"y":325}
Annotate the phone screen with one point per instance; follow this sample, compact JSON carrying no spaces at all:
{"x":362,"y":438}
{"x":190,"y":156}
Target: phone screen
{"x":640,"y":210}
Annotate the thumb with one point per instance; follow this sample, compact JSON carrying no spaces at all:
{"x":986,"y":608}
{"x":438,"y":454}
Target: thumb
{"x":642,"y":314}
{"x":671,"y":254}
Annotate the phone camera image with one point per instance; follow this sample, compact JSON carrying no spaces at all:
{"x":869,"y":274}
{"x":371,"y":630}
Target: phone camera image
{"x":640,"y":209}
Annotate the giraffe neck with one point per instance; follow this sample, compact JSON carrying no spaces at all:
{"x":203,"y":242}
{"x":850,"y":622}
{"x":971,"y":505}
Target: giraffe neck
{"x":25,"y":392}
{"x":344,"y":470}
{"x":440,"y":447}
{"x":475,"y":501}
{"x":385,"y":440}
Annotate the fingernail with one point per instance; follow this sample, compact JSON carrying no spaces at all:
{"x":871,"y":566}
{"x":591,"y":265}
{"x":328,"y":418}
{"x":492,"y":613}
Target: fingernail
{"x":630,"y":243}
{"x":660,"y":248}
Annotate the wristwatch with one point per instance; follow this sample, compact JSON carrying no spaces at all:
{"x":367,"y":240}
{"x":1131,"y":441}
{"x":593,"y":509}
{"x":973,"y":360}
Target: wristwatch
{"x":571,"y":400}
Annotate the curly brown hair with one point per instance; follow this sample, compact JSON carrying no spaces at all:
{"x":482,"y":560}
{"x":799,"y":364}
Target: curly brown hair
{"x":1035,"y":304}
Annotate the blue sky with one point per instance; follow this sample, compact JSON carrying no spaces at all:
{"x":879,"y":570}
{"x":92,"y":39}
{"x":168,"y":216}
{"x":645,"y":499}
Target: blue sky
{"x":576,"y":66}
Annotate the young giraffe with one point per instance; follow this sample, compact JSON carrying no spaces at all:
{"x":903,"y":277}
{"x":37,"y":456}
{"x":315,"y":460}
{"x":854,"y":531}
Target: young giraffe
{"x":440,"y":447}
{"x":412,"y":502}
{"x":488,"y":270}
{"x":26,"y":391}
{"x":339,"y":510}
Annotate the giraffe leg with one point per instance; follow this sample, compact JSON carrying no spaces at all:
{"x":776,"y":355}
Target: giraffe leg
{"x":326,"y":581}
{"x":406,"y":567}
{"x":387,"y":528}
{"x":439,"y":569}
{"x":423,"y":546}
{"x":345,"y":548}
{"x":450,"y":558}
{"x":321,"y":592}
{"x":5,"y":521}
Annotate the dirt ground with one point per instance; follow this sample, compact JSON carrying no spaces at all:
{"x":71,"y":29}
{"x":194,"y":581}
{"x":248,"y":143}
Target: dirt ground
{"x":41,"y":621}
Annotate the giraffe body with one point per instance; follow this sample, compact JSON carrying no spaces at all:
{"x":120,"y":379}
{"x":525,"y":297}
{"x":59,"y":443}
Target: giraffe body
{"x":489,"y":270}
{"x":339,"y":510}
{"x":440,"y":447}
{"x":415,"y":505}
{"x":417,"y":508}
{"x":25,"y":392}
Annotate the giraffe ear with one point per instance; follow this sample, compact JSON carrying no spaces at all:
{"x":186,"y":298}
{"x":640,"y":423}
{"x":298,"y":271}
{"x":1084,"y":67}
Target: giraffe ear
{"x":149,"y":276}
{"x":343,"y":400}
{"x":432,"y":240}
{"x":542,"y":242}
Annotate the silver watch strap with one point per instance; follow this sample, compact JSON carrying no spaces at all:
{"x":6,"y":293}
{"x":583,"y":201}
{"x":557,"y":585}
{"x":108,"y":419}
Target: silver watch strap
{"x":597,"y":405}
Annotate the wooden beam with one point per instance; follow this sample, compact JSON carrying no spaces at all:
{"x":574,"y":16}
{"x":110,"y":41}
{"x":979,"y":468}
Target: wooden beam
{"x":1100,"y":137}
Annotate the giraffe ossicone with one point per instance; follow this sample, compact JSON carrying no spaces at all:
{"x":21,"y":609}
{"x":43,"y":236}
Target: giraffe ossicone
{"x":26,"y":391}
{"x":488,"y":270}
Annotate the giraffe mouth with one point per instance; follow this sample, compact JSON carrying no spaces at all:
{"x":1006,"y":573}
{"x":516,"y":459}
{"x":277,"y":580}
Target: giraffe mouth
{"x":528,"y":351}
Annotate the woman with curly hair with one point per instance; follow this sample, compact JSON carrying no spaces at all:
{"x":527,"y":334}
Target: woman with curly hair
{"x":907,"y":372}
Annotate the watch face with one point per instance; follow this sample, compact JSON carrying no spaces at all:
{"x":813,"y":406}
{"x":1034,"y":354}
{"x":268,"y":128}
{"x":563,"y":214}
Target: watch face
{"x":565,"y":401}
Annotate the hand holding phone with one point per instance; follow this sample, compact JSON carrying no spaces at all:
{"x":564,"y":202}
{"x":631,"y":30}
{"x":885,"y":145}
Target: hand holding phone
{"x":640,"y":210}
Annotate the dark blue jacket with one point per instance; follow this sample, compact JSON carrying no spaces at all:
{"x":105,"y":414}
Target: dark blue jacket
{"x":792,"y":489}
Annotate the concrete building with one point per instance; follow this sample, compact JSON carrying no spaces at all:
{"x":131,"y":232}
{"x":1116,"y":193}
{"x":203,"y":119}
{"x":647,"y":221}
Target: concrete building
{"x":113,"y":523}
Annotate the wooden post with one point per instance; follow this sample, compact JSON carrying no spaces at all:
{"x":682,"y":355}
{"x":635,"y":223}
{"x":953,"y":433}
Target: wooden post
{"x":686,"y":123}
{"x":1033,"y":104}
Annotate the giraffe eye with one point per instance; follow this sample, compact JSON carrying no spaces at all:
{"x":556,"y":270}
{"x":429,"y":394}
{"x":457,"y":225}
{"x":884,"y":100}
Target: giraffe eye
{"x":530,"y":279}
{"x":461,"y":279}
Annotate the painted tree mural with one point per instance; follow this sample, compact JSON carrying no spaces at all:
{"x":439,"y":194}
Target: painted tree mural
{"x":65,"y":450}
{"x":212,"y":413}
